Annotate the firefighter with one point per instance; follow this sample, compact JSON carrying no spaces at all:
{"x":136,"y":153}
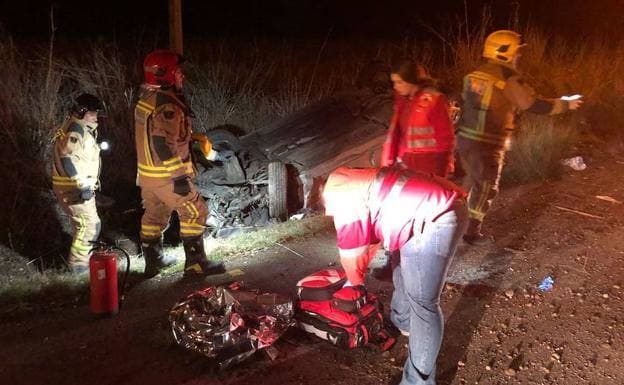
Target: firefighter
{"x":492,"y":96}
{"x":75,"y":177}
{"x":420,"y":215}
{"x":421,"y":135}
{"x":163,"y":134}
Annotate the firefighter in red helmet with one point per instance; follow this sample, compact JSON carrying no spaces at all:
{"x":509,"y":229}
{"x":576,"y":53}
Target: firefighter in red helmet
{"x":75,"y":176}
{"x":163,"y":133}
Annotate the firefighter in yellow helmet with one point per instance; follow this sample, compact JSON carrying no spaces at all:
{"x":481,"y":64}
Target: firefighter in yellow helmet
{"x":75,"y":172}
{"x":492,"y":96}
{"x":163,"y":134}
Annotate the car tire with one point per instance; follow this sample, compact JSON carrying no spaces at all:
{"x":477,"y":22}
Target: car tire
{"x":278,"y":178}
{"x":223,"y":139}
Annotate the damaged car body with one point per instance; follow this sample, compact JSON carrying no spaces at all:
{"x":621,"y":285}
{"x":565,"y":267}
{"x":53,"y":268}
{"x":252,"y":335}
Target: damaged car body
{"x":277,"y":168}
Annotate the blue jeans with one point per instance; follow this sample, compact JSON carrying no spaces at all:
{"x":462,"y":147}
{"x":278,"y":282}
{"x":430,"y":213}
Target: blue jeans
{"x":418,"y":283}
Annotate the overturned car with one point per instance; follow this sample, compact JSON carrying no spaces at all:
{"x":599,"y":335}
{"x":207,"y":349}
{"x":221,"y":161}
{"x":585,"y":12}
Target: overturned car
{"x":277,"y":169}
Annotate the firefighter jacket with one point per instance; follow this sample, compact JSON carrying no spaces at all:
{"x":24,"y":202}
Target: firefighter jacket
{"x":492,"y":96}
{"x":76,"y":159}
{"x":388,"y":205}
{"x":420,"y":124}
{"x":162,"y":135}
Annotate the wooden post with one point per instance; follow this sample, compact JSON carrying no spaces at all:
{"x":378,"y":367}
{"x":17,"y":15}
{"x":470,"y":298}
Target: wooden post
{"x":175,"y":26}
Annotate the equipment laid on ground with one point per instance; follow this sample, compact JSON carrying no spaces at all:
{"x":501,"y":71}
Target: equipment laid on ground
{"x":348,"y":317}
{"x":105,"y":297}
{"x":228,"y":325}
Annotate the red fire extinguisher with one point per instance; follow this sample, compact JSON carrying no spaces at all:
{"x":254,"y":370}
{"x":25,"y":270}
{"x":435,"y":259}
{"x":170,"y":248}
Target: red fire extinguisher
{"x":106,"y":298}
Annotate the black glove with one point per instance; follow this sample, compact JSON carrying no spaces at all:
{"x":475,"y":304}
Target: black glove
{"x":86,"y":194}
{"x":181,"y":186}
{"x":224,"y":155}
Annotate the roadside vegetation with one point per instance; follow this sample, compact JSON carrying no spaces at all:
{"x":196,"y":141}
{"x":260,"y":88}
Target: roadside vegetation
{"x":248,"y":85}
{"x":53,"y":287}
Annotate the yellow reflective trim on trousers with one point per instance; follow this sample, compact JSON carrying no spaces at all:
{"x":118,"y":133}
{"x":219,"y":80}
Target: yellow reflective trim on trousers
{"x":154,"y":175}
{"x":57,"y":183}
{"x":150,"y":229}
{"x":485,"y":188}
{"x":478,"y":215}
{"x":81,"y":248}
{"x":190,"y":224}
{"x":193,"y":210}
{"x":78,"y":244}
{"x":58,"y":180}
{"x":186,"y":232}
{"x":187,"y":228}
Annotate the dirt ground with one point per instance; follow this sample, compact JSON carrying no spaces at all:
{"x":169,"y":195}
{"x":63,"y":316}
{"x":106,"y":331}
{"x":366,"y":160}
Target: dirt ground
{"x":500,"y":329}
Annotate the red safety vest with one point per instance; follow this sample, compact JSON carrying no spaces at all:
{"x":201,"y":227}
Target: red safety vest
{"x":420,"y":124}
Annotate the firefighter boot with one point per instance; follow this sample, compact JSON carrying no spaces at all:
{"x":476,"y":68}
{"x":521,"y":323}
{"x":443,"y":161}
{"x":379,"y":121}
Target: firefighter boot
{"x":384,"y":273}
{"x":155,"y":260}
{"x":197,"y":263}
{"x":474,"y":236}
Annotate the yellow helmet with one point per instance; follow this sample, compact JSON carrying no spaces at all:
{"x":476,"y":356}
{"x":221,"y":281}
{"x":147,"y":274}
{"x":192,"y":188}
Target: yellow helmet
{"x":502,"y":45}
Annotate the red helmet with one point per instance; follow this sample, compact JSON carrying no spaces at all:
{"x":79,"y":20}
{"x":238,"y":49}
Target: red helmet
{"x":159,"y":67}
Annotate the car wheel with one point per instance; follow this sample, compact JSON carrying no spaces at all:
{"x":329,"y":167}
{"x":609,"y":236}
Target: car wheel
{"x":223,"y":140}
{"x":278,"y":208}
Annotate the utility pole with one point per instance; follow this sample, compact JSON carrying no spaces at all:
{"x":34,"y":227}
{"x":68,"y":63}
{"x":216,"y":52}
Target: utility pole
{"x":175,"y":26}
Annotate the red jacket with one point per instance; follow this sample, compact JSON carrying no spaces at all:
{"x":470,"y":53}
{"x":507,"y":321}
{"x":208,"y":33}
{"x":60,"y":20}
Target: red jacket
{"x":386,"y":205}
{"x":420,"y":124}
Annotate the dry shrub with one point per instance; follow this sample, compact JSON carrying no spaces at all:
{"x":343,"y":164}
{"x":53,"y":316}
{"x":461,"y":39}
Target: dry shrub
{"x":28,"y":114}
{"x":252,"y":84}
{"x":538,"y":148}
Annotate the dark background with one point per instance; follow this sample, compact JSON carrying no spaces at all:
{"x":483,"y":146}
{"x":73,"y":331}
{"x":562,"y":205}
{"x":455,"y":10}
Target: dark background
{"x":120,"y":20}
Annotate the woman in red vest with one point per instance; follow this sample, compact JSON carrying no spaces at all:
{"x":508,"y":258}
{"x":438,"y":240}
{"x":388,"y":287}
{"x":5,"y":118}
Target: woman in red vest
{"x":421,"y":135}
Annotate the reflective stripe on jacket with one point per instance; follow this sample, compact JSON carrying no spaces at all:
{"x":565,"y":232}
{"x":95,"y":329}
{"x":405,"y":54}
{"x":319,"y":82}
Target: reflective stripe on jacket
{"x":164,"y":114}
{"x":492,"y":95}
{"x":76,"y":157}
{"x":420,"y":124}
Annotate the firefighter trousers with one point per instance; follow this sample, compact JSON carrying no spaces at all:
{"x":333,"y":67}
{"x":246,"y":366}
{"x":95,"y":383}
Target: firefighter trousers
{"x":483,"y":164}
{"x":86,"y":229}
{"x":160,"y":201}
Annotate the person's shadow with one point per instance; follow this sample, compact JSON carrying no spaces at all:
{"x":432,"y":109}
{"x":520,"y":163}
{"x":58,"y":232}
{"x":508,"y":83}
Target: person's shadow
{"x":461,"y":324}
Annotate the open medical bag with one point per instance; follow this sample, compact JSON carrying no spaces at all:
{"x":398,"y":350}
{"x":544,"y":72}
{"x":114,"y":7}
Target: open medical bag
{"x":348,"y":317}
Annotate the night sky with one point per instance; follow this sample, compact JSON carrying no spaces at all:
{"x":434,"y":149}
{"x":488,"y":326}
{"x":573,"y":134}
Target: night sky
{"x":297,"y":18}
